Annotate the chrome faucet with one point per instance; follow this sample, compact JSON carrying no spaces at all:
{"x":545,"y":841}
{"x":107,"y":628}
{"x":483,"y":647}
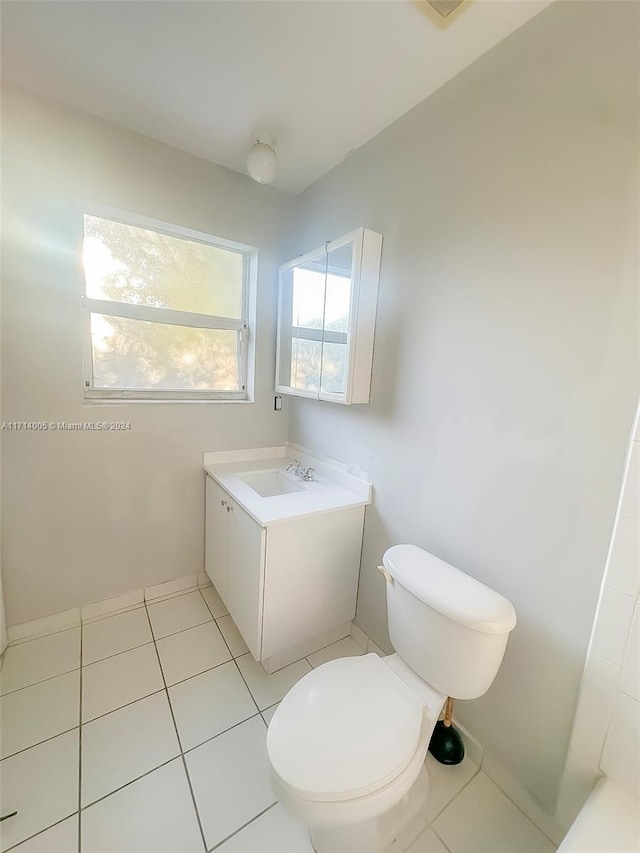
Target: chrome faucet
{"x":300,"y":471}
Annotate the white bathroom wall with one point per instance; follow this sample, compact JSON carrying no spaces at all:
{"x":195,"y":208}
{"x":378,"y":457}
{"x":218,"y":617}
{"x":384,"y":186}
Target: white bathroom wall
{"x":89,"y":515}
{"x":606,"y":729}
{"x":3,"y":618}
{"x":505,"y":371}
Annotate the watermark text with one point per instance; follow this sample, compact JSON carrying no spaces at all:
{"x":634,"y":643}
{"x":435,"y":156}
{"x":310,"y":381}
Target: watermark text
{"x":65,"y":426}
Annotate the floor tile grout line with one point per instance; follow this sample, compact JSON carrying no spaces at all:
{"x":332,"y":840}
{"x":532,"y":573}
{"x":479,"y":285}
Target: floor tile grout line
{"x":246,"y":684}
{"x":446,"y":806}
{"x":207,"y":604}
{"x":117,"y":654}
{"x":502,"y":791}
{"x":13,"y":644}
{"x":119,"y":612}
{"x":437,"y":834}
{"x":154,"y":639}
{"x":121,"y":652}
{"x":234,"y":659}
{"x":322,"y":648}
{"x":39,"y":832}
{"x":193,"y":799}
{"x":175,"y":726}
{"x":182,"y":630}
{"x":184,"y":751}
{"x":42,"y":680}
{"x":39,"y":743}
{"x":268,"y":708}
{"x":130,"y":782}
{"x":191,"y":749}
{"x":196,"y":674}
{"x":160,"y":599}
{"x":120,"y":707}
{"x":244,"y":826}
{"x":466,"y":785}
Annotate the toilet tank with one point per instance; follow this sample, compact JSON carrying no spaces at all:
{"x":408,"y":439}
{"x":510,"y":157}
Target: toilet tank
{"x":448,"y":627}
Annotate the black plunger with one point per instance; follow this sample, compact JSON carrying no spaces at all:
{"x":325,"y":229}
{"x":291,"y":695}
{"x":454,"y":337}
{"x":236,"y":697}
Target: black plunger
{"x":446,"y":745}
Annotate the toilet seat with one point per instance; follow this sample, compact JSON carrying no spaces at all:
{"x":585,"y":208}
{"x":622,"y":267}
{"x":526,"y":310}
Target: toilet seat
{"x":345,"y":730}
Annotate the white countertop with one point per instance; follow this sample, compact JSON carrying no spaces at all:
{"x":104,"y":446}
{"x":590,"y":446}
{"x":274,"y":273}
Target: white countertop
{"x":332,"y":488}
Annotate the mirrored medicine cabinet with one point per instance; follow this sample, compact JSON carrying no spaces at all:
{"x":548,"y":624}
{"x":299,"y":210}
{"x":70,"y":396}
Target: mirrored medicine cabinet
{"x":326,"y":320}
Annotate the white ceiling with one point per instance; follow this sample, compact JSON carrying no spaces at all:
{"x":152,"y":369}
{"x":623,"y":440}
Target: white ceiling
{"x":322,"y":77}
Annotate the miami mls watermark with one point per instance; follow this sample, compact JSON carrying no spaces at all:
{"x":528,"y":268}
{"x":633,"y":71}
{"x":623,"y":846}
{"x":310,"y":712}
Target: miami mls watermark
{"x":65,"y":426}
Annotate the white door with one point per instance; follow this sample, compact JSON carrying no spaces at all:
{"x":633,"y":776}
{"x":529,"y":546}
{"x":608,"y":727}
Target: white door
{"x":246,"y":576}
{"x":216,"y":541}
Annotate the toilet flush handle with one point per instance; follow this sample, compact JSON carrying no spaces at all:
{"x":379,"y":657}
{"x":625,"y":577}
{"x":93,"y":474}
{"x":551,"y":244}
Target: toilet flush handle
{"x":386,"y":573}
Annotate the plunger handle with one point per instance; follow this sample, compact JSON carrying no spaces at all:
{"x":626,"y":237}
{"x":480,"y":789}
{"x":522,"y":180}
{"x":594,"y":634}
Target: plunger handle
{"x":448,"y":711}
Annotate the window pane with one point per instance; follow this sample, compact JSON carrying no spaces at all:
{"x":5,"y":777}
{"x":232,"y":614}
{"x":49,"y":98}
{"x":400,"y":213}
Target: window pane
{"x":125,"y":263}
{"x":306,"y":358}
{"x":334,"y":368}
{"x":140,"y":355}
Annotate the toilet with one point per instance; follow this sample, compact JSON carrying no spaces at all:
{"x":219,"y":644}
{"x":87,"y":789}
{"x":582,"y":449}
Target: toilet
{"x":348,"y":743}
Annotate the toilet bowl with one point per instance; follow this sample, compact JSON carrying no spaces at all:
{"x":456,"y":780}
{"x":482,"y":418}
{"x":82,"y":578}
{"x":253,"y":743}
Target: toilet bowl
{"x":347,"y":744}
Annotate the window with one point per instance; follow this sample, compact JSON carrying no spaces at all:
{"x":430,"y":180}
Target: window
{"x":167,"y":310}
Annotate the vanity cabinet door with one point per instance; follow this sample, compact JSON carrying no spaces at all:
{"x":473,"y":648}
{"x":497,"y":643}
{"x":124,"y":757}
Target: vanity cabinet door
{"x":245,"y":587}
{"x":216,"y":542}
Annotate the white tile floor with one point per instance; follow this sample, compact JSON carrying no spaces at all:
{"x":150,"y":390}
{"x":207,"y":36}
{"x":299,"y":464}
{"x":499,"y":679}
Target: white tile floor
{"x":145,"y":733}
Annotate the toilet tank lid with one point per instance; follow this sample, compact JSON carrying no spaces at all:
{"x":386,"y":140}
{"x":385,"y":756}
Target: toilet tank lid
{"x":451,"y":592}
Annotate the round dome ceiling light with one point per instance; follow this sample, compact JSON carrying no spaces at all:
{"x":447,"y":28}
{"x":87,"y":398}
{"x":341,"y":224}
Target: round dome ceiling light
{"x":262,"y":161}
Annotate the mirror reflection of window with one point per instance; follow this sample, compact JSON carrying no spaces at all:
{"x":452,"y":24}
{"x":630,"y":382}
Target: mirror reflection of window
{"x":336,"y":320}
{"x":338,"y":295}
{"x":308,"y":307}
{"x":308,"y":295}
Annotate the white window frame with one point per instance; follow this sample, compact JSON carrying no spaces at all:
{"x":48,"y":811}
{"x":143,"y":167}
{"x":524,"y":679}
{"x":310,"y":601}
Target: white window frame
{"x":171,"y":316}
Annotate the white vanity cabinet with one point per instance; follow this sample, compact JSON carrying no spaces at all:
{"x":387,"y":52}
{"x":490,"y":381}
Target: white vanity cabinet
{"x":216,"y":543}
{"x":326,"y":320}
{"x":285,"y":581}
{"x":234,"y":561}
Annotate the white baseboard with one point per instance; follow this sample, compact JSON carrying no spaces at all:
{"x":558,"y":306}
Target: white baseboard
{"x":170,"y":588}
{"x":24,"y":631}
{"x":472,"y":748}
{"x":359,"y":636}
{"x":111,"y":606}
{"x":74,"y":618}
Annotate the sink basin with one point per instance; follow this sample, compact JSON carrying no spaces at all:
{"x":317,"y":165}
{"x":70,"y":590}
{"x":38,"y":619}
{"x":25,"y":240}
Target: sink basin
{"x":270,"y":483}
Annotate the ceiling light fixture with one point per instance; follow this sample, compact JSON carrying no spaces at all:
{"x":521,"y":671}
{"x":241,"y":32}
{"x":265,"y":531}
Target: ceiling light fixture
{"x":262,"y":161}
